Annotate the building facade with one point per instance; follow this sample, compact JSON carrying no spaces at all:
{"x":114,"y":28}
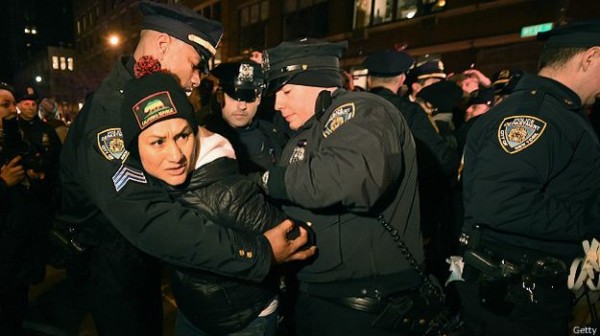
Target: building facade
{"x":486,"y":34}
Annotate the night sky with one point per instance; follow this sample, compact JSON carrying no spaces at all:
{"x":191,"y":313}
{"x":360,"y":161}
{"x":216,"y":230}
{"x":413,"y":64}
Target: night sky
{"x":53,"y":21}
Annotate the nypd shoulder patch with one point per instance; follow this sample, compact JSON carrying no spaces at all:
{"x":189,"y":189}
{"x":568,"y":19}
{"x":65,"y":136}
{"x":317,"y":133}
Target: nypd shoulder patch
{"x":111,"y":144}
{"x":516,"y":133}
{"x":126,"y":174}
{"x":338,"y":117}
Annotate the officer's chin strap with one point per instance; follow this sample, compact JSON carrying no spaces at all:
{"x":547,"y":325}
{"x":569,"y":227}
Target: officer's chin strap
{"x":586,"y":270}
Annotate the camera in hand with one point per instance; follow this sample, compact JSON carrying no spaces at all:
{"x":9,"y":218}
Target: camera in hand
{"x":16,"y":144}
{"x":295,"y":233}
{"x":31,"y":156}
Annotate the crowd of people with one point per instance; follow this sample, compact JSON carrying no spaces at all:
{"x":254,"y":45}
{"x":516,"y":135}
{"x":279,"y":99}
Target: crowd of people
{"x":283,"y":200}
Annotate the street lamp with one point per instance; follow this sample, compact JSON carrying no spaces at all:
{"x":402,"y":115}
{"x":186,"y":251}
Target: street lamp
{"x":38,"y":79}
{"x":114,"y":40}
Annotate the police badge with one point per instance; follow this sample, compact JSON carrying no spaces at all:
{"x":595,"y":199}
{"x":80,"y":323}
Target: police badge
{"x":111,"y":145}
{"x":299,"y":151}
{"x":338,"y":117}
{"x":516,"y":133}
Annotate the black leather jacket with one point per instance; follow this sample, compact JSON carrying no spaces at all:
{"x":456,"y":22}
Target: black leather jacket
{"x":215,"y":303}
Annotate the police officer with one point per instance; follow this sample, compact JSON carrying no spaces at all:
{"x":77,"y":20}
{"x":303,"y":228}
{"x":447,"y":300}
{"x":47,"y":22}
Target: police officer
{"x":504,"y":82}
{"x":531,"y":189}
{"x":110,"y":202}
{"x":424,"y":74}
{"x":24,"y":217}
{"x":352,"y":160}
{"x":480,"y":101}
{"x":437,"y":160}
{"x":256,"y":142}
{"x":43,"y":146}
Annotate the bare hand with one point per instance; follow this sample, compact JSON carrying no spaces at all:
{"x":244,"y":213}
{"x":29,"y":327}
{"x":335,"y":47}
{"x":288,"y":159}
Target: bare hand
{"x":481,"y":79}
{"x":256,"y":56}
{"x":35,"y":175}
{"x":284,"y":249}
{"x":12,"y":173}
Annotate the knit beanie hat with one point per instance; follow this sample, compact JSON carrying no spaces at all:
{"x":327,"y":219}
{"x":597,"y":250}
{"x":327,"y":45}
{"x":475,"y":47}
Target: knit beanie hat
{"x":153,"y":97}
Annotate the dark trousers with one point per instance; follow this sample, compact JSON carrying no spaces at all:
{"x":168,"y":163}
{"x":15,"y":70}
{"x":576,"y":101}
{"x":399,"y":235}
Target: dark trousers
{"x":315,"y":316}
{"x":125,"y":290}
{"x":13,"y":308}
{"x":549,"y":316}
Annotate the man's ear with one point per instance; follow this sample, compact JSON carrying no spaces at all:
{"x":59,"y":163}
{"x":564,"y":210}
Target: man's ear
{"x":590,"y":57}
{"x":416,"y":87}
{"x":220,"y":98}
{"x":401,"y":79}
{"x":163,"y":41}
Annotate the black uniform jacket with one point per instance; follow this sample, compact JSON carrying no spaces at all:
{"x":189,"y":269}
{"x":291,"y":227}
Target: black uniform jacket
{"x":343,"y":168}
{"x":104,"y":188}
{"x":531,"y":172}
{"x":435,"y":156}
{"x":257,"y":146}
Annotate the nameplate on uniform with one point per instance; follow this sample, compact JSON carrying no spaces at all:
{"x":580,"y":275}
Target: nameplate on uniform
{"x":338,"y":117}
{"x":519,"y":132}
{"x":111,"y":144}
{"x":126,"y":174}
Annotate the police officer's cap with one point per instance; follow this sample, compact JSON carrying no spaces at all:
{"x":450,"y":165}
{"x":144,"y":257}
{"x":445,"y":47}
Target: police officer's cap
{"x":505,"y":81}
{"x":240,"y":80}
{"x":577,"y":34}
{"x":388,"y":63}
{"x":184,"y":24}
{"x":28,"y":94}
{"x":482,"y":96}
{"x":425,"y":70}
{"x":151,"y":99}
{"x":442,"y":95}
{"x":306,"y":61}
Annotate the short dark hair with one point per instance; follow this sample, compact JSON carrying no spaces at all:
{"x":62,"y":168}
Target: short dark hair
{"x":557,"y":56}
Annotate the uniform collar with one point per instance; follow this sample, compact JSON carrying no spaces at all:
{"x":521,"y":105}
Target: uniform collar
{"x":566,"y":96}
{"x":380,"y":90}
{"x":122,"y":73}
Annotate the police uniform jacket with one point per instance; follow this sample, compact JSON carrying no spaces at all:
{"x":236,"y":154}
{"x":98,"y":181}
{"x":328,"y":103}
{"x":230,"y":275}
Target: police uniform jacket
{"x":23,"y":225}
{"x":104,"y":189}
{"x":435,"y":156}
{"x":257,"y":146}
{"x":531,"y":171}
{"x":214,"y":303}
{"x":341,"y":170}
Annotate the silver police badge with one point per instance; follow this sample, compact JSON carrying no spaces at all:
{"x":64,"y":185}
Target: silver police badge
{"x":519,"y":132}
{"x":111,"y":145}
{"x":245,"y":73}
{"x":265,"y":64}
{"x":338,"y":117}
{"x":299,"y":152}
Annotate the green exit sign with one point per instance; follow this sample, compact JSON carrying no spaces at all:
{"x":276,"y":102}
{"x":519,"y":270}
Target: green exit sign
{"x":534,"y":30}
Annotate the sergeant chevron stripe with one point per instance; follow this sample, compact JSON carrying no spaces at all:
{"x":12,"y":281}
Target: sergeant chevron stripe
{"x":126,"y":174}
